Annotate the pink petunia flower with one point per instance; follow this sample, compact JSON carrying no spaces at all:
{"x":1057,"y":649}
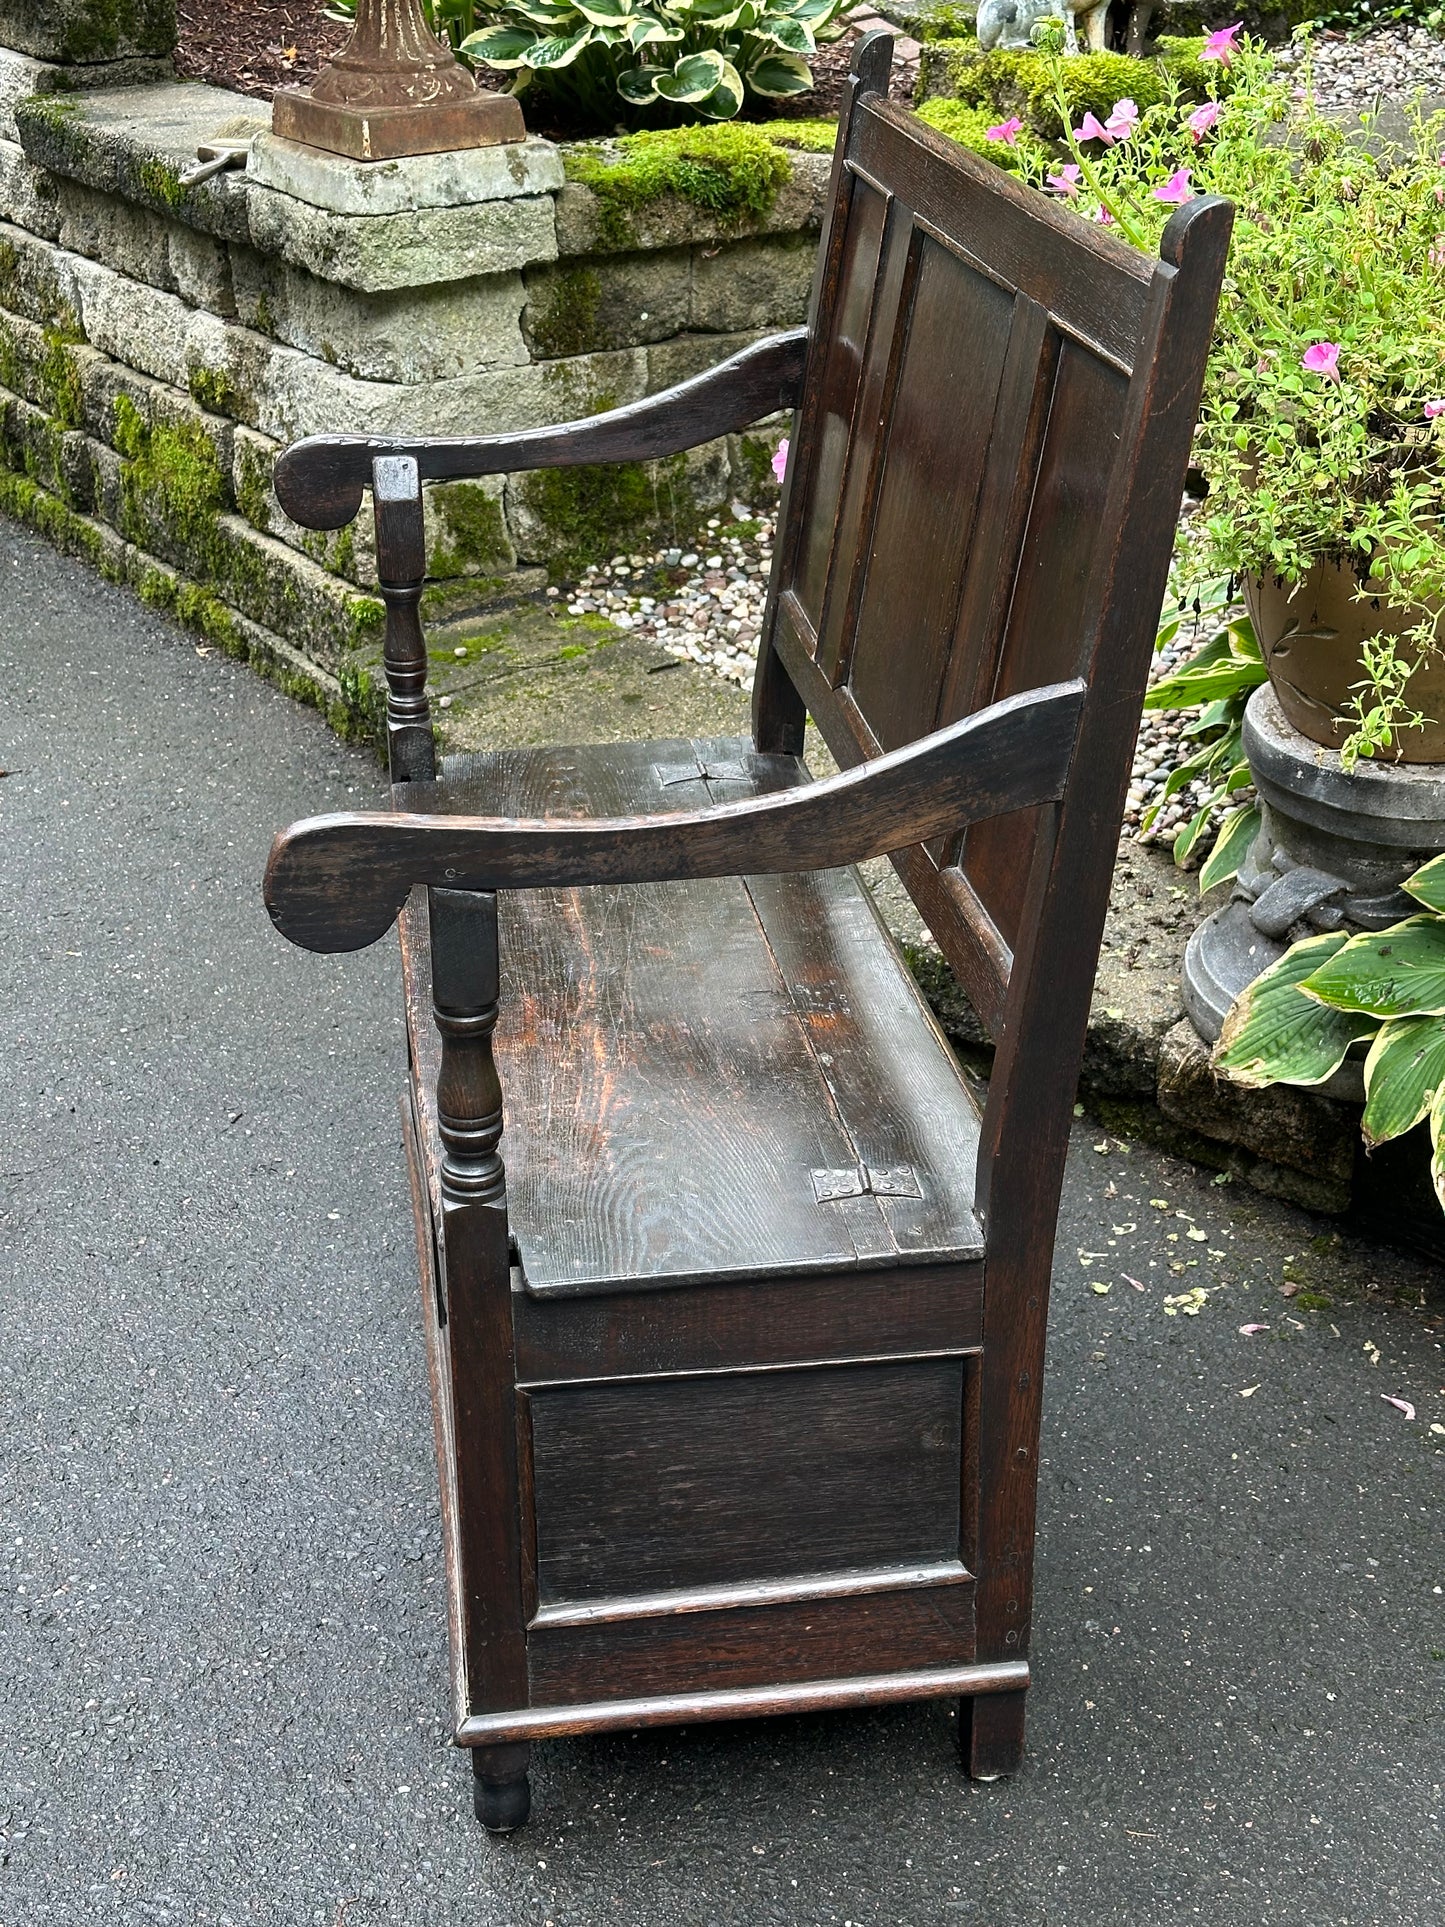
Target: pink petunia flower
{"x":1434,"y":409}
{"x":1176,"y":188}
{"x":1104,"y":217}
{"x":780,"y":460}
{"x":1220,"y":46}
{"x":1202,"y":119}
{"x":1066,"y":181}
{"x":1093,"y":130}
{"x":1322,"y":358}
{"x":1007,"y":130}
{"x":1123,"y":120}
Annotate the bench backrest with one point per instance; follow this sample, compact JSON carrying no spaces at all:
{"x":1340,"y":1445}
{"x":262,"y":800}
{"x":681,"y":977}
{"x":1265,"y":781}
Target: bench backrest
{"x":983,"y":485}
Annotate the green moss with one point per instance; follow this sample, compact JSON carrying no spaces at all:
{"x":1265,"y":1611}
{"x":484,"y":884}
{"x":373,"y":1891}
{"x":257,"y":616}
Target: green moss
{"x":1007,"y":83}
{"x":159,"y":181}
{"x":808,"y":136}
{"x":363,"y":622}
{"x":944,"y":21}
{"x":566,"y":321}
{"x":104,"y":28}
{"x":969,"y":127}
{"x":591,"y":512}
{"x":172,"y":487}
{"x":732,"y":171}
{"x":264,"y":318}
{"x":214,"y":390}
{"x":475,"y":536}
{"x":253,"y":486}
{"x":60,"y":381}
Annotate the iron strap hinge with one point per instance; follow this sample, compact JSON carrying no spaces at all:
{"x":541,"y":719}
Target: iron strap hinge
{"x":866,"y":1181}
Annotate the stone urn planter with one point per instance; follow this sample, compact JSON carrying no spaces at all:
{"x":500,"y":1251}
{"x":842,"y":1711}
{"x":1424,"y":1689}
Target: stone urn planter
{"x":1312,"y":633}
{"x":1332,"y":851}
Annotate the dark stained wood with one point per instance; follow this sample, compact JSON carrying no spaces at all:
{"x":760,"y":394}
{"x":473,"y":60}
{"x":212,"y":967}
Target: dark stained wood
{"x":746,"y":1702}
{"x":647,"y":1485}
{"x":338,"y":882}
{"x":738,"y":1389}
{"x":640,"y":1153}
{"x":826,"y":1636}
{"x":401,"y":575}
{"x":827,"y":1316}
{"x":319,"y":481}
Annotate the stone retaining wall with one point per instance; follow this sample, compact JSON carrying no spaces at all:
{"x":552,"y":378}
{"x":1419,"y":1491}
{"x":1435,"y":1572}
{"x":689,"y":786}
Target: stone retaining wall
{"x":160,"y":344}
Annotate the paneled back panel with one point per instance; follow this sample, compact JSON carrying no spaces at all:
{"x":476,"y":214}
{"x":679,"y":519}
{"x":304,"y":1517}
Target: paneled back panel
{"x":962,"y":470}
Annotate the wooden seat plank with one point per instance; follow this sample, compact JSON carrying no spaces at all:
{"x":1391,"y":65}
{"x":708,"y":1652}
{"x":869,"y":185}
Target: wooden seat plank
{"x":661,"y":1049}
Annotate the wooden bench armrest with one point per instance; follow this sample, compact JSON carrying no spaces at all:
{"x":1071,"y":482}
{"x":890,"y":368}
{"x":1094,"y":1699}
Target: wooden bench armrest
{"x":339,"y":882}
{"x":319,"y":481}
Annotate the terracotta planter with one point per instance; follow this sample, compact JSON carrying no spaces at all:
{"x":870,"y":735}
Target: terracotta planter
{"x":1311,"y":636}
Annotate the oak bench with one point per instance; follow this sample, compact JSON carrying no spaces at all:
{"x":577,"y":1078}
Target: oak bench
{"x":734,"y":1292}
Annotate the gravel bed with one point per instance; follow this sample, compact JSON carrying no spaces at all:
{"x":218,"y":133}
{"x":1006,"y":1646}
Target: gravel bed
{"x":1393,"y":63}
{"x":703,"y":603}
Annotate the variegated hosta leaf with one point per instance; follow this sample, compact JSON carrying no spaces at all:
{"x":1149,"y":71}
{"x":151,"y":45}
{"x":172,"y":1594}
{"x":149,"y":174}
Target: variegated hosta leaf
{"x":502,"y":47}
{"x":549,"y":15}
{"x":692,"y":79}
{"x":604,"y":13}
{"x":1427,"y":885}
{"x":727,"y":97}
{"x":1236,"y":833}
{"x":1437,"y":1146}
{"x":813,"y":13}
{"x":777,"y":75}
{"x":1404,"y":1070}
{"x":639,"y":84}
{"x":645,"y":29}
{"x":782,"y":30}
{"x":1399,"y":972}
{"x":548,"y":55}
{"x":1275,"y":1034}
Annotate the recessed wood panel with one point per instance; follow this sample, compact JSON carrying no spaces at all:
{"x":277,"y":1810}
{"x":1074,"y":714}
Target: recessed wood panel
{"x":936,"y":442}
{"x":1048,"y":631}
{"x":841,"y":377}
{"x":653,"y":1485}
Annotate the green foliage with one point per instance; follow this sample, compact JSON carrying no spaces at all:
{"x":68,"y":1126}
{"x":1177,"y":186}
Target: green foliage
{"x":945,"y":21}
{"x":1296,"y":1023}
{"x":1336,"y":248}
{"x":732,"y":172}
{"x":171,"y":479}
{"x":1363,"y":16}
{"x":654,"y":62}
{"x":969,"y":127}
{"x":1215,"y":683}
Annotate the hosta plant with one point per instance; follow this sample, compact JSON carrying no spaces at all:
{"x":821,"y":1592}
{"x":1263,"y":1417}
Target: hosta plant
{"x":655,"y":63}
{"x":1297,"y":1022}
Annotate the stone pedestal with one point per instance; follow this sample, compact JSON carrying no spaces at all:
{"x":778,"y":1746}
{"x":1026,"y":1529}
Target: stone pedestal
{"x":1331,"y":854}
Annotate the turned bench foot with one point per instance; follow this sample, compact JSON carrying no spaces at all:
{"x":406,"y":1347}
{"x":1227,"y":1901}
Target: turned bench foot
{"x":500,"y":1793}
{"x":991,"y":1734}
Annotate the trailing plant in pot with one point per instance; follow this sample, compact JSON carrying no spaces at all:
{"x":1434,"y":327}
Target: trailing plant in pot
{"x":1322,"y":429}
{"x":1326,"y":996}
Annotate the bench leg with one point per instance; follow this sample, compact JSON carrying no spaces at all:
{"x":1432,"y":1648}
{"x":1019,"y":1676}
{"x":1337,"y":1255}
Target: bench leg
{"x":500,"y":1793}
{"x":991,"y":1734}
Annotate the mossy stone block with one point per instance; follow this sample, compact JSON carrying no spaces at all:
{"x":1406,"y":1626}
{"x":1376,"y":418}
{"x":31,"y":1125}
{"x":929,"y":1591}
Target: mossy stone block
{"x":621,"y":301}
{"x":466,"y":527}
{"x":416,"y":334}
{"x":569,"y":517}
{"x":754,"y":285}
{"x":85,"y":31}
